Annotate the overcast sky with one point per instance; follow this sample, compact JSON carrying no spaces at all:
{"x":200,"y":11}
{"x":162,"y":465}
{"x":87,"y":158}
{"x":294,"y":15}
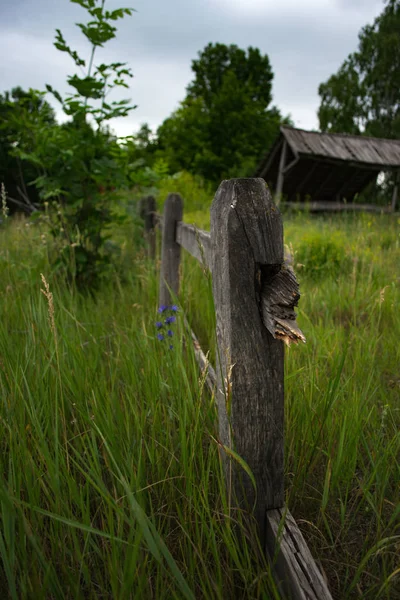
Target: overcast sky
{"x":306,"y":41}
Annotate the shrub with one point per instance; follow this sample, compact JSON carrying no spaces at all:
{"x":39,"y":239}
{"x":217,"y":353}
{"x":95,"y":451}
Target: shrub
{"x":321,"y":255}
{"x":80,"y":162}
{"x":197,"y":194}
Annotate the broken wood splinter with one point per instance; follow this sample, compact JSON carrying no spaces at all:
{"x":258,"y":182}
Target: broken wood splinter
{"x":279,"y":296}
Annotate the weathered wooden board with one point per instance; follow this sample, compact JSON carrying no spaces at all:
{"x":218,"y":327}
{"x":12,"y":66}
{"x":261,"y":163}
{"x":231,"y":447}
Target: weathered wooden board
{"x":170,"y":249}
{"x":395,"y":191}
{"x":202,"y":361}
{"x":361,"y":149}
{"x":247,"y":239}
{"x":281,"y":176}
{"x":334,"y":207}
{"x":294,"y":565}
{"x":196,"y":241}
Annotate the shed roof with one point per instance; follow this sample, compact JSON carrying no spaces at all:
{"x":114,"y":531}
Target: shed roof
{"x":341,"y":146}
{"x":323,"y":165}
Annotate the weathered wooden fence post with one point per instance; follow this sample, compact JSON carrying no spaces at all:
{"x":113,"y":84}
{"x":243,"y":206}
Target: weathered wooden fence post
{"x":147,"y":211}
{"x":170,"y":249}
{"x":247,"y":250}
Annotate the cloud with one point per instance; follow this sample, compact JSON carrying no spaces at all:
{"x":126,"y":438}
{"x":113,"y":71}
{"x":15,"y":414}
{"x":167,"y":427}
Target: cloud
{"x":306,"y":42}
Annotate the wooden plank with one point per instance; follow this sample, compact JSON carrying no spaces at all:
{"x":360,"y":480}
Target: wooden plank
{"x":362,"y":149}
{"x":247,"y":245}
{"x":335,"y":207}
{"x":202,"y":360}
{"x":281,"y":176}
{"x":395,"y":191}
{"x":170,"y":249}
{"x":196,"y":241}
{"x":267,"y":160}
{"x":294,"y":565}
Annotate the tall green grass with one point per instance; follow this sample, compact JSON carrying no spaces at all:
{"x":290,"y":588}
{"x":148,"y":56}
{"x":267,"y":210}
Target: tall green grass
{"x":111,"y":483}
{"x":342,"y":391}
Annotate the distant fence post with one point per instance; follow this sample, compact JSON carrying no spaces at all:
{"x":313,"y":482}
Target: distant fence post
{"x":247,"y":250}
{"x":148,"y":213}
{"x":170,"y":249}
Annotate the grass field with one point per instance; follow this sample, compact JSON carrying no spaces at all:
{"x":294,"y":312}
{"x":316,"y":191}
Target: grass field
{"x":111,"y":480}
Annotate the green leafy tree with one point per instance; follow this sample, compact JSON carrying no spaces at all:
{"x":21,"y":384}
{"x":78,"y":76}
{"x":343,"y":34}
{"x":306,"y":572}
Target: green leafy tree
{"x":224,"y":124}
{"x":364,"y":95}
{"x":81,"y":161}
{"x":141,"y":146}
{"x":182,"y":137}
{"x":16,"y":172}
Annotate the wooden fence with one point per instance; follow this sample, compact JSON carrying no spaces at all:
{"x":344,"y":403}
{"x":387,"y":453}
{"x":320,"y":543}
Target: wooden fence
{"x":255,"y":293}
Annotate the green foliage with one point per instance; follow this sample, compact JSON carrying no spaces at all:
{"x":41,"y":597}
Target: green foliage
{"x":197,"y":194}
{"x":364,"y":96}
{"x":341,"y":399}
{"x":323,"y":255}
{"x":112,"y":484}
{"x":98,"y":80}
{"x":80,"y":163}
{"x":216,"y":61}
{"x":20,"y":112}
{"x":224,"y":124}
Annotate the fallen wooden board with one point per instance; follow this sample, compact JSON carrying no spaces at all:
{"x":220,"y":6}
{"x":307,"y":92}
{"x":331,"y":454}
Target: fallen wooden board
{"x":293,"y":563}
{"x":335,"y":207}
{"x":202,"y":360}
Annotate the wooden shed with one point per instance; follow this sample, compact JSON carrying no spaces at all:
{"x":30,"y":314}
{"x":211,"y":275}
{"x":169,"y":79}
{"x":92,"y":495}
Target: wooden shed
{"x":327,"y":169}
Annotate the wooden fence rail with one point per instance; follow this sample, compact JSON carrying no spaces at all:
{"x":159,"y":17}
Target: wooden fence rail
{"x":255,"y":294}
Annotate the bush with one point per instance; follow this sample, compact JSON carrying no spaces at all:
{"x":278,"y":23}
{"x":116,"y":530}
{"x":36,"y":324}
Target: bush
{"x":81,"y":162}
{"x":197,"y":194}
{"x":321,"y":256}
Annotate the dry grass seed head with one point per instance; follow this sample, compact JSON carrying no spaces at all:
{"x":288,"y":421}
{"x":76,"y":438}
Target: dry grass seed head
{"x":49,"y":297}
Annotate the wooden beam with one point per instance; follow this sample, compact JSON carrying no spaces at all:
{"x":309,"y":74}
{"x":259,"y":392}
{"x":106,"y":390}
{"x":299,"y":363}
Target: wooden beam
{"x":395,"y":191}
{"x":281,"y":176}
{"x":247,"y":241}
{"x":196,"y":241}
{"x":331,"y":206}
{"x":170,"y":249}
{"x":202,"y":360}
{"x":263,"y":168}
{"x":293,"y":563}
{"x":345,"y":163}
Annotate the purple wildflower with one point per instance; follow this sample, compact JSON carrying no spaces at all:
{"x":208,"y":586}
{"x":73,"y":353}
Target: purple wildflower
{"x":174,"y":308}
{"x":170,"y":333}
{"x":171,"y":346}
{"x":162,"y":308}
{"x":169,"y":320}
{"x":159,"y":324}
{"x":160,"y":337}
